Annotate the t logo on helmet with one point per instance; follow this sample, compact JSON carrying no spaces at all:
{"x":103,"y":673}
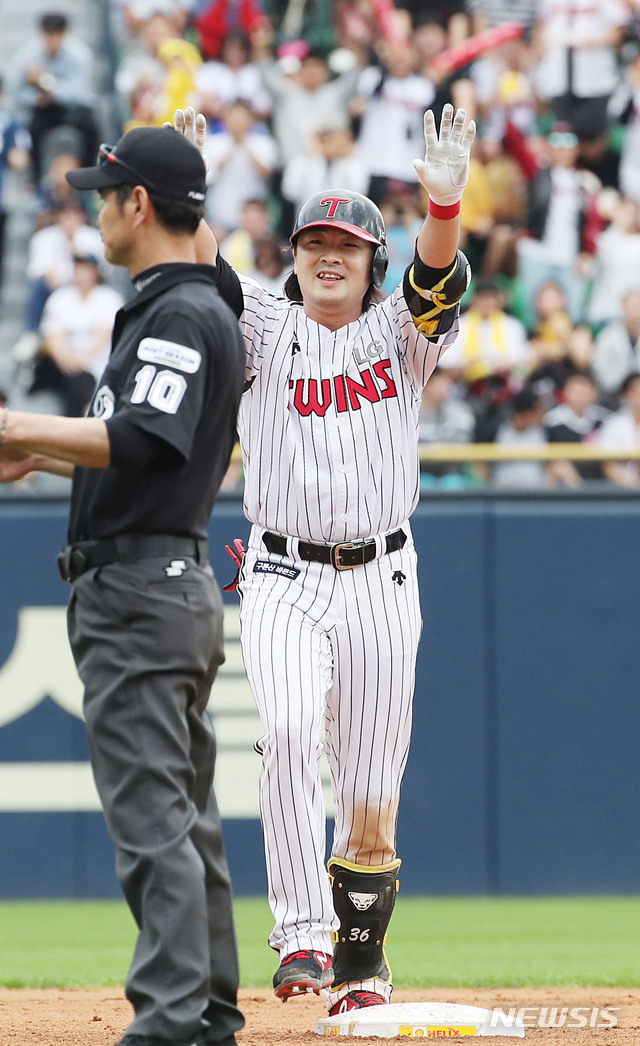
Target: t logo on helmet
{"x":332,"y":202}
{"x":358,"y":216}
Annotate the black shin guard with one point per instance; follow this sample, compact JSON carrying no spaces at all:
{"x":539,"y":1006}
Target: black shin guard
{"x":363,"y":900}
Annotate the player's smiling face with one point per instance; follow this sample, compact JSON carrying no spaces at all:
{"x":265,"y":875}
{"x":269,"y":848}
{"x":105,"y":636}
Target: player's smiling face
{"x":334,"y":272}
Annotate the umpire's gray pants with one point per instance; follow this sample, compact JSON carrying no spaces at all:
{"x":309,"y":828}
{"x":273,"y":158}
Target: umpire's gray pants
{"x":147,"y":648}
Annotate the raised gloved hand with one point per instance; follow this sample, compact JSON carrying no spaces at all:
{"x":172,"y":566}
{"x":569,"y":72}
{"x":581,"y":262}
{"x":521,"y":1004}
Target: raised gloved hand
{"x":193,"y":126}
{"x":444,"y":172}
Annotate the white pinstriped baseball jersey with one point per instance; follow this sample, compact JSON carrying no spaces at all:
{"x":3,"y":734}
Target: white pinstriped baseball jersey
{"x":329,"y":425}
{"x":329,"y":433}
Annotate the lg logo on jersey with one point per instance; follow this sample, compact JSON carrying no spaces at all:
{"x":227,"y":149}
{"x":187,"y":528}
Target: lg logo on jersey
{"x":343,"y":390}
{"x":363,"y":355}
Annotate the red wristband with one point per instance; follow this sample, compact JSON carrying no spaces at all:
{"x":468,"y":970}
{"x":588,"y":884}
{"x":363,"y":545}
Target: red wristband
{"x":444,"y":213}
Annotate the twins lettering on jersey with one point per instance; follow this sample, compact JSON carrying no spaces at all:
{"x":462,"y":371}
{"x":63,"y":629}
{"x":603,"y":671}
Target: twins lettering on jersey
{"x":313,"y":396}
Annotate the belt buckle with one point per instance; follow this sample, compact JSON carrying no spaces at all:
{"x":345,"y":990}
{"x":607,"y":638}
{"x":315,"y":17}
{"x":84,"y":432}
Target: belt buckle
{"x":336,"y":554}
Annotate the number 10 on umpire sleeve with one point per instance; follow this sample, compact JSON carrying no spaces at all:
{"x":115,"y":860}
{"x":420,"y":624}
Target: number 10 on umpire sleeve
{"x":162,"y":389}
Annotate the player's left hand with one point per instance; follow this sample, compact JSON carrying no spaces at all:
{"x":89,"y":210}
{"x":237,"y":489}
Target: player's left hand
{"x":193,"y":126}
{"x":444,"y":172}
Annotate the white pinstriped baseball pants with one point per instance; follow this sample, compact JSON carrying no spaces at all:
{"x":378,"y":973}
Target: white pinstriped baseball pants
{"x":339,"y":647}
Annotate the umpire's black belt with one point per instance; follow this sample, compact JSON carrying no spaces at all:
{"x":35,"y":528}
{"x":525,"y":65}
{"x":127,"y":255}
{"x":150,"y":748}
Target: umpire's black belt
{"x":126,"y":548}
{"x":343,"y":556}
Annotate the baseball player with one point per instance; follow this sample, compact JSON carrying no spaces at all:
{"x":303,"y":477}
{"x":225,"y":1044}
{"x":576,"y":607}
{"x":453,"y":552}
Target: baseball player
{"x":330,"y":615}
{"x":145,"y":612}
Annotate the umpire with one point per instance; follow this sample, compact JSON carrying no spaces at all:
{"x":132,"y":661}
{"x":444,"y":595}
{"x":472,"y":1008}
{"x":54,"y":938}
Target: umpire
{"x":145,"y":614}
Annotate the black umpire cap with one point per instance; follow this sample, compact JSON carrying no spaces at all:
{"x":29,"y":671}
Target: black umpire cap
{"x":159,"y":158}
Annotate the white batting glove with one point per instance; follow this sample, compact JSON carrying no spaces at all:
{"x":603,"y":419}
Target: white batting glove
{"x":444,"y":172}
{"x":193,"y":126}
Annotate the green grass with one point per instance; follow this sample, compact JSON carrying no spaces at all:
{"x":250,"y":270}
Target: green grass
{"x":489,"y":942}
{"x":433,"y":941}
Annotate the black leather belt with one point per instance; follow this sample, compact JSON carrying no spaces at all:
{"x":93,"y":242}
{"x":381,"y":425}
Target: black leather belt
{"x":343,"y":556}
{"x":126,"y":548}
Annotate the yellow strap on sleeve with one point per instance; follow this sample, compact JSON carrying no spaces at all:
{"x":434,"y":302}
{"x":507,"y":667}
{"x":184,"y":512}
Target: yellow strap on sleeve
{"x":427,"y":322}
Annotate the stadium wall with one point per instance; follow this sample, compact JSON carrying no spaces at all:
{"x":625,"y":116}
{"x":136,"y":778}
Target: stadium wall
{"x":523,"y":774}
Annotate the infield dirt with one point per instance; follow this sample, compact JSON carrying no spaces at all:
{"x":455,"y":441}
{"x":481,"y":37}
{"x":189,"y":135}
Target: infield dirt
{"x":99,"y":1016}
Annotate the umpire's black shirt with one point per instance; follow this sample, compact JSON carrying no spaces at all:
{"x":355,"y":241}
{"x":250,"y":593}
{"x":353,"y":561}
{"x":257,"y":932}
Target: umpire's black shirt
{"x":174,"y":378}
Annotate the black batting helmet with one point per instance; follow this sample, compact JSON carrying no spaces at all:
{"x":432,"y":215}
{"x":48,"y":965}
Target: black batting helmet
{"x":353,"y":212}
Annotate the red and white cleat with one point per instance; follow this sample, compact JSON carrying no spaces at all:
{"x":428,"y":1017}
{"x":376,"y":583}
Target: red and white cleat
{"x":302,"y":972}
{"x":357,"y":1000}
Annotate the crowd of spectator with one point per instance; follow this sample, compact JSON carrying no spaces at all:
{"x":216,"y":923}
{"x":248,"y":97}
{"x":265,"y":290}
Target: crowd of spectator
{"x":331,"y":93}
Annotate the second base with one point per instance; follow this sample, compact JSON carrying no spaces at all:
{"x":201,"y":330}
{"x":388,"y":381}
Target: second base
{"x":421,"y":1020}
